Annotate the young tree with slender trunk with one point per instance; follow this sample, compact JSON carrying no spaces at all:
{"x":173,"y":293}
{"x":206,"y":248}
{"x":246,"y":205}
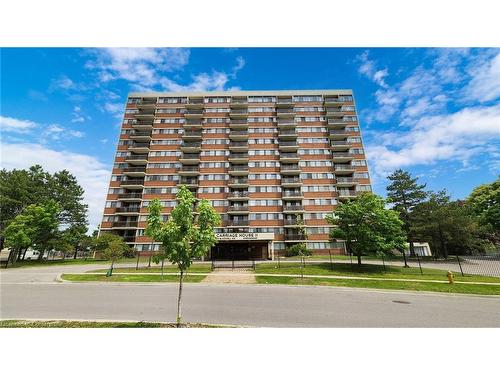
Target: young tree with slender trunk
{"x":405,"y":193}
{"x":153,"y":223}
{"x":114,"y":251}
{"x":367,"y":226}
{"x":186,"y":236}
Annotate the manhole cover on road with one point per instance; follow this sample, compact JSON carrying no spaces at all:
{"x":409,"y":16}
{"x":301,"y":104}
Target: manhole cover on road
{"x":403,"y":302}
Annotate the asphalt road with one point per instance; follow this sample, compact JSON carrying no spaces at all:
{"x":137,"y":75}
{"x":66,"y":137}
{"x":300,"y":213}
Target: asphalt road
{"x":33,"y":293}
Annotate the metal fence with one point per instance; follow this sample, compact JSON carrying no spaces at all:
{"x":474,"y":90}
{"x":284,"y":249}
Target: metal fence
{"x":233,"y":264}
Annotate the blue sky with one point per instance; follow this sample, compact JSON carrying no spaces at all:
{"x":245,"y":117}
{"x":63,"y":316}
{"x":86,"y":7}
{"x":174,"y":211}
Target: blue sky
{"x":434,"y":112}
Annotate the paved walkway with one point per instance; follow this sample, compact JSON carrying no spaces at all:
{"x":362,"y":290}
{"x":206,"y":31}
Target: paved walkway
{"x":232,"y":277}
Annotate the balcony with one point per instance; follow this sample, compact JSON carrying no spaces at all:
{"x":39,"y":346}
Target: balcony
{"x":286,"y":123}
{"x":145,"y":114}
{"x":285,"y":113}
{"x":284,"y":102}
{"x":139,"y":147}
{"x":238,"y":170}
{"x":334,"y":112}
{"x":135,"y":171}
{"x":239,"y":103}
{"x":238,"y":195}
{"x":238,"y":113}
{"x":238,"y":157}
{"x":238,"y":134}
{"x":287,"y":134}
{"x":128,"y":210}
{"x":336,"y":123}
{"x":194,"y":113}
{"x":238,"y":223}
{"x":291,"y":181}
{"x":189,"y":182}
{"x":146,"y":103}
{"x":143,"y":125}
{"x":290,"y":169}
{"x":292,"y":222}
{"x":342,"y":156}
{"x":293,"y":208}
{"x":292,"y":195}
{"x":295,"y":237}
{"x":192,"y":135}
{"x":129,"y":238}
{"x":238,"y":182}
{"x":346,"y":194}
{"x":339,"y":134}
{"x":191,"y":146}
{"x":336,"y":101}
{"x":237,"y":209}
{"x":344,"y":169}
{"x":189,"y":170}
{"x":195,"y":103}
{"x":193,"y":123}
{"x":189,"y":158}
{"x":238,"y":124}
{"x":346,"y":181}
{"x":289,"y":156}
{"x":238,"y":146}
{"x":138,"y":135}
{"x":340,"y":145}
{"x":288,"y":145}
{"x":130,"y":197}
{"x":125,"y":224}
{"x":132,"y":183}
{"x":141,"y":159}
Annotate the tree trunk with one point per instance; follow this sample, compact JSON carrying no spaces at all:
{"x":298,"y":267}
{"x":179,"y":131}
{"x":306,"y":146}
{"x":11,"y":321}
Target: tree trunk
{"x":359,"y":260}
{"x":19,"y":254}
{"x":412,"y":248}
{"x":111,"y":268}
{"x":40,"y":256}
{"x":24,"y":254}
{"x":162,"y":262}
{"x":76,"y":252}
{"x":179,"y":317}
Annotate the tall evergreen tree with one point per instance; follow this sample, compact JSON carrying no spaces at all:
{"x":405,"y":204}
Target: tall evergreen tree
{"x":405,"y":193}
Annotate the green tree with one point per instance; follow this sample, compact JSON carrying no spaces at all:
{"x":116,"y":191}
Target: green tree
{"x":186,"y":236}
{"x":367,"y":227}
{"x":114,"y":250}
{"x":405,"y":193}
{"x":37,"y":225}
{"x":18,"y":238}
{"x":450,"y":227}
{"x":21,"y":188}
{"x":484,"y":201}
{"x":154,"y":223}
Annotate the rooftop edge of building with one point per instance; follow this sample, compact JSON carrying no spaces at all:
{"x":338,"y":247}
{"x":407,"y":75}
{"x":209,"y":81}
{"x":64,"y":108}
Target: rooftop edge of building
{"x":241,"y":93}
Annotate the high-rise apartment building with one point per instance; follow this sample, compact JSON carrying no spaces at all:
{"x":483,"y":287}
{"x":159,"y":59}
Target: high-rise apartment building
{"x":272,"y":163}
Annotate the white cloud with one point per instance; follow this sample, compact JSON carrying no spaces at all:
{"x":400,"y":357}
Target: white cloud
{"x":485,"y":83}
{"x":459,"y":136}
{"x":137,"y":64}
{"x":91,"y":174}
{"x":55,"y":132}
{"x":368,"y":69}
{"x":10,"y":124}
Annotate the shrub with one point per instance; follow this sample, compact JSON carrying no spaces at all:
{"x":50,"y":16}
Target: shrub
{"x":299,"y":249}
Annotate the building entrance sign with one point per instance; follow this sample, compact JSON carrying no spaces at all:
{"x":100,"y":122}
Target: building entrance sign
{"x":244,"y":236}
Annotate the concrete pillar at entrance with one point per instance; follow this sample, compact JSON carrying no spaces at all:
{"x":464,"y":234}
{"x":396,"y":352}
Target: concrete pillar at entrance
{"x":270,"y":250}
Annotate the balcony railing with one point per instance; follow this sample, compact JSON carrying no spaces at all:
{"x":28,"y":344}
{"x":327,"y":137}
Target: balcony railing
{"x":239,"y":168}
{"x":292,"y":194}
{"x":239,"y":101}
{"x":239,"y":112}
{"x":237,"y":208}
{"x":290,"y":167}
{"x":294,"y":237}
{"x":288,"y":143}
{"x":140,"y":134}
{"x":194,"y":112}
{"x":189,"y":168}
{"x":347,"y":180}
{"x":137,"y":157}
{"x":240,"y":181}
{"x":132,"y":182}
{"x":344,"y":167}
{"x":184,"y":181}
{"x":285,"y":111}
{"x":191,"y":144}
{"x":291,"y":222}
{"x":239,"y":223}
{"x":240,"y":155}
{"x":287,"y":208}
{"x":285,"y":101}
{"x":238,"y":144}
{"x":130,"y":196}
{"x":134,"y":169}
{"x":129,"y":238}
{"x":238,"y":132}
{"x":128,"y":209}
{"x":192,"y":134}
{"x":139,"y":145}
{"x":122,"y":224}
{"x":289,"y":155}
{"x":342,"y":155}
{"x":339,"y":143}
{"x":190,"y":156}
{"x":239,"y":122}
{"x":286,"y":180}
{"x":238,"y":194}
{"x":288,"y":132}
{"x":195,"y":101}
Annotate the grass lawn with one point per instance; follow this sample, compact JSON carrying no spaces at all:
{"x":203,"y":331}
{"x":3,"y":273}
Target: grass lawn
{"x":85,"y":324}
{"x":367,"y":270}
{"x":195,"y":268}
{"x":384,"y":284}
{"x":133,"y":278}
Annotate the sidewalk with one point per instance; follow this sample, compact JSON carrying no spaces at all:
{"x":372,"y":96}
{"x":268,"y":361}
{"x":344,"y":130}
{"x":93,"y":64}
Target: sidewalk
{"x":245,"y":276}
